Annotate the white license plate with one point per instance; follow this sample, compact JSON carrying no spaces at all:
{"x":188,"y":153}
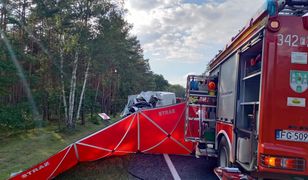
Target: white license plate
{"x":289,"y":135}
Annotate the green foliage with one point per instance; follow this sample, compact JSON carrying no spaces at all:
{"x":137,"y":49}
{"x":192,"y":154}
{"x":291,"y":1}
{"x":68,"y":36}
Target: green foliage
{"x":95,"y":119}
{"x":16,"y":117}
{"x":178,"y":90}
{"x":7,"y":72}
{"x":161,"y":84}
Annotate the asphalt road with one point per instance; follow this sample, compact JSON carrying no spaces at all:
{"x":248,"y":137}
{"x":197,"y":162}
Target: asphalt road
{"x":143,"y":167}
{"x":147,"y":167}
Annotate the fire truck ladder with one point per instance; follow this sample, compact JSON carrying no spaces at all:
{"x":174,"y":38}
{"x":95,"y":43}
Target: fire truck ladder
{"x":200,"y":114}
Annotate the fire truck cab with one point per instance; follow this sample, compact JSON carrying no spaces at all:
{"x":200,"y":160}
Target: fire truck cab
{"x":252,"y":110}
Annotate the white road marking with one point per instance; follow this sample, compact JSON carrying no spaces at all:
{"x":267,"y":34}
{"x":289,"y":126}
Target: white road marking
{"x":171,"y":167}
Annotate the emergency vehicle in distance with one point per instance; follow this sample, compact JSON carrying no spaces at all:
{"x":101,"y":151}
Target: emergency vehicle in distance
{"x":251,"y":111}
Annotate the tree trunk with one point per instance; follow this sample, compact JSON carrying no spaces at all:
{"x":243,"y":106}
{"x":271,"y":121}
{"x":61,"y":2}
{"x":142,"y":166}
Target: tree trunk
{"x":59,"y":113}
{"x":4,"y":16}
{"x":82,"y":115}
{"x":82,"y":91}
{"x":72,"y":92}
{"x":63,"y":87}
{"x":97,"y":88}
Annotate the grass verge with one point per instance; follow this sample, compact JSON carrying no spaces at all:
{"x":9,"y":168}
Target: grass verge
{"x":23,"y":150}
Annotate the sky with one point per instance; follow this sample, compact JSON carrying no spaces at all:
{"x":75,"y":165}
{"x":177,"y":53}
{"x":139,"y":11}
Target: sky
{"x":179,"y":37}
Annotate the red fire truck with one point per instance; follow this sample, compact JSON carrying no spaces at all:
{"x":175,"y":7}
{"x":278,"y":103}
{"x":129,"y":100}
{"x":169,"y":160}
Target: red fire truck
{"x":251,"y":110}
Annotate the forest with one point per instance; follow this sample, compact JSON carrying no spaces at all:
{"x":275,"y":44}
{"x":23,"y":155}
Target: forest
{"x":66,"y":60}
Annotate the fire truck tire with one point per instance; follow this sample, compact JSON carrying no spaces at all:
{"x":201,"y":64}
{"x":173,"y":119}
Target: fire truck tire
{"x":223,"y":153}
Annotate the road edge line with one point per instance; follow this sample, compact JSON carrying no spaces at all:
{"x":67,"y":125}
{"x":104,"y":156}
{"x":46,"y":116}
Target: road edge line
{"x":172,"y":169}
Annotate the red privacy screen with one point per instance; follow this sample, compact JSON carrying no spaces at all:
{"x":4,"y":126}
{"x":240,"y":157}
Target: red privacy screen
{"x":158,"y":131}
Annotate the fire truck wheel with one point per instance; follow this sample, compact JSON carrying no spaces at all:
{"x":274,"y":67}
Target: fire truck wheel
{"x":223,"y":153}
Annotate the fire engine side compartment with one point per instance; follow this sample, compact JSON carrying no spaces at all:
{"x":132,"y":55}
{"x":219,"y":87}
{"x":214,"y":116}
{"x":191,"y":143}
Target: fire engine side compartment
{"x":281,"y":107}
{"x":226,"y":111}
{"x":228,"y":92}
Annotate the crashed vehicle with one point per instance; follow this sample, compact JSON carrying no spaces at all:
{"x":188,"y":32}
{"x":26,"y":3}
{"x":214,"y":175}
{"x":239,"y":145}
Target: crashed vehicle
{"x":147,"y":100}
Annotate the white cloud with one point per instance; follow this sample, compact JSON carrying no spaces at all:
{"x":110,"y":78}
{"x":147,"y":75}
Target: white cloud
{"x":151,"y":4}
{"x":171,"y":30}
